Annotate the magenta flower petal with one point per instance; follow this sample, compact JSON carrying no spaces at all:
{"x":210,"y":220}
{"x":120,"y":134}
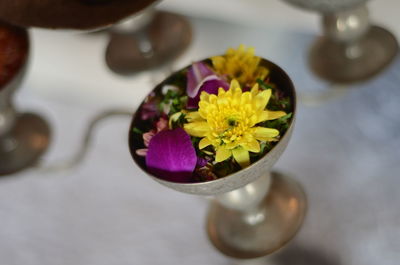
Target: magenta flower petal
{"x":149,"y":110}
{"x":171,"y":156}
{"x":211,"y":87}
{"x":195,"y":76}
{"x":201,"y":162}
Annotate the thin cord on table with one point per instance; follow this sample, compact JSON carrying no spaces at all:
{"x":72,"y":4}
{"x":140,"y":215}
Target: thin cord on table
{"x":87,"y":140}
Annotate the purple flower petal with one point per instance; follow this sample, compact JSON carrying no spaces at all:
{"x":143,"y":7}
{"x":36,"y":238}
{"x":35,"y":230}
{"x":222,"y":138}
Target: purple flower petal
{"x":171,"y":156}
{"x":201,"y":162}
{"x":195,"y":76}
{"x":149,"y":110}
{"x":211,"y":87}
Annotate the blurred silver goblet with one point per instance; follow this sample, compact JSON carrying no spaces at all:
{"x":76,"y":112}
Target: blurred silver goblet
{"x":351,"y":50}
{"x":23,"y":136}
{"x":147,"y":40}
{"x":255,"y":211}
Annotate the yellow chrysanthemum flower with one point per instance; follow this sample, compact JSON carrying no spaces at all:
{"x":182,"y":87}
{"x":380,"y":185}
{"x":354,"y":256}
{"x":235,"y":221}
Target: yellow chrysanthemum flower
{"x":228,"y":121}
{"x":240,"y":64}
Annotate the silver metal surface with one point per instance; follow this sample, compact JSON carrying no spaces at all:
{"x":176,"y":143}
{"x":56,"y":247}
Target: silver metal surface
{"x":23,"y":137}
{"x":245,"y":198}
{"x":250,"y":217}
{"x":326,"y":6}
{"x":351,"y":50}
{"x":348,"y":25}
{"x":135,"y":22}
{"x":146,"y":41}
{"x":263,"y":224}
{"x":353,"y":62}
{"x":23,"y":145}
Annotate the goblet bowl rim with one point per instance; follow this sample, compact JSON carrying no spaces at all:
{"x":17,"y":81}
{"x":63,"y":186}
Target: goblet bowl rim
{"x":201,"y":188}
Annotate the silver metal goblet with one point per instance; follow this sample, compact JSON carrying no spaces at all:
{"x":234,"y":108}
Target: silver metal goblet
{"x":351,"y":50}
{"x":23,"y":136}
{"x":147,"y":40}
{"x":254,"y":211}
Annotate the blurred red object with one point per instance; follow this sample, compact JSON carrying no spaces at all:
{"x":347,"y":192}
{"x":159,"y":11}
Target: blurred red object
{"x":13,"y":51}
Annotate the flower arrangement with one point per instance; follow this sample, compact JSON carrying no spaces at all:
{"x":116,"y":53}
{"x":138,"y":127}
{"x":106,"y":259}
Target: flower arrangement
{"x":211,"y":119}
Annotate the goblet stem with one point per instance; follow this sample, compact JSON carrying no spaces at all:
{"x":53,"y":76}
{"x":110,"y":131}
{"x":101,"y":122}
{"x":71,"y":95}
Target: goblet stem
{"x":146,"y":41}
{"x":23,"y":137}
{"x":145,"y":46}
{"x":8,"y":116}
{"x":257,"y":219}
{"x":135,"y":23}
{"x":136,"y":27}
{"x":347,"y":26}
{"x":248,"y":198}
{"x":351,"y":50}
{"x":8,"y":113}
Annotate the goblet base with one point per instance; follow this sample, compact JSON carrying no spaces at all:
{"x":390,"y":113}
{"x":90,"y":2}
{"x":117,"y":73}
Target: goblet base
{"x":339,"y":63}
{"x":164,"y":39}
{"x":269,"y":227}
{"x":26,"y":142}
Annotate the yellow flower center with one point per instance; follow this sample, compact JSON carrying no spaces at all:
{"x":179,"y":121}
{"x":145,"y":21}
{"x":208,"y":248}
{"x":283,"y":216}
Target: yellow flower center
{"x":228,"y":122}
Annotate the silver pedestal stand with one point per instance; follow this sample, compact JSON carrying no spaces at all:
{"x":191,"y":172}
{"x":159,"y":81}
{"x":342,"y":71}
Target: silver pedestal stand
{"x":351,"y":50}
{"x":255,"y":211}
{"x":23,"y":136}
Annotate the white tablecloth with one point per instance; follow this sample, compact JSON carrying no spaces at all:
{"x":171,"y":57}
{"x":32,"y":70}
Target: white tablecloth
{"x":345,"y":152}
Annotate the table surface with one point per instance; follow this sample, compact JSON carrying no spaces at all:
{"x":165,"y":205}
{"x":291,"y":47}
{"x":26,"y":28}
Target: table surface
{"x":345,"y":151}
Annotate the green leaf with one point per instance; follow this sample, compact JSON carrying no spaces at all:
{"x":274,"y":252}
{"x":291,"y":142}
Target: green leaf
{"x":285,"y":118}
{"x":263,"y":85}
{"x":136,"y":130}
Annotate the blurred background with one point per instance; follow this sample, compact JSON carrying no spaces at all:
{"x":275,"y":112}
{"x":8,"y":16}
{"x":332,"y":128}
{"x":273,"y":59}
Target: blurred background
{"x":345,"y":149}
